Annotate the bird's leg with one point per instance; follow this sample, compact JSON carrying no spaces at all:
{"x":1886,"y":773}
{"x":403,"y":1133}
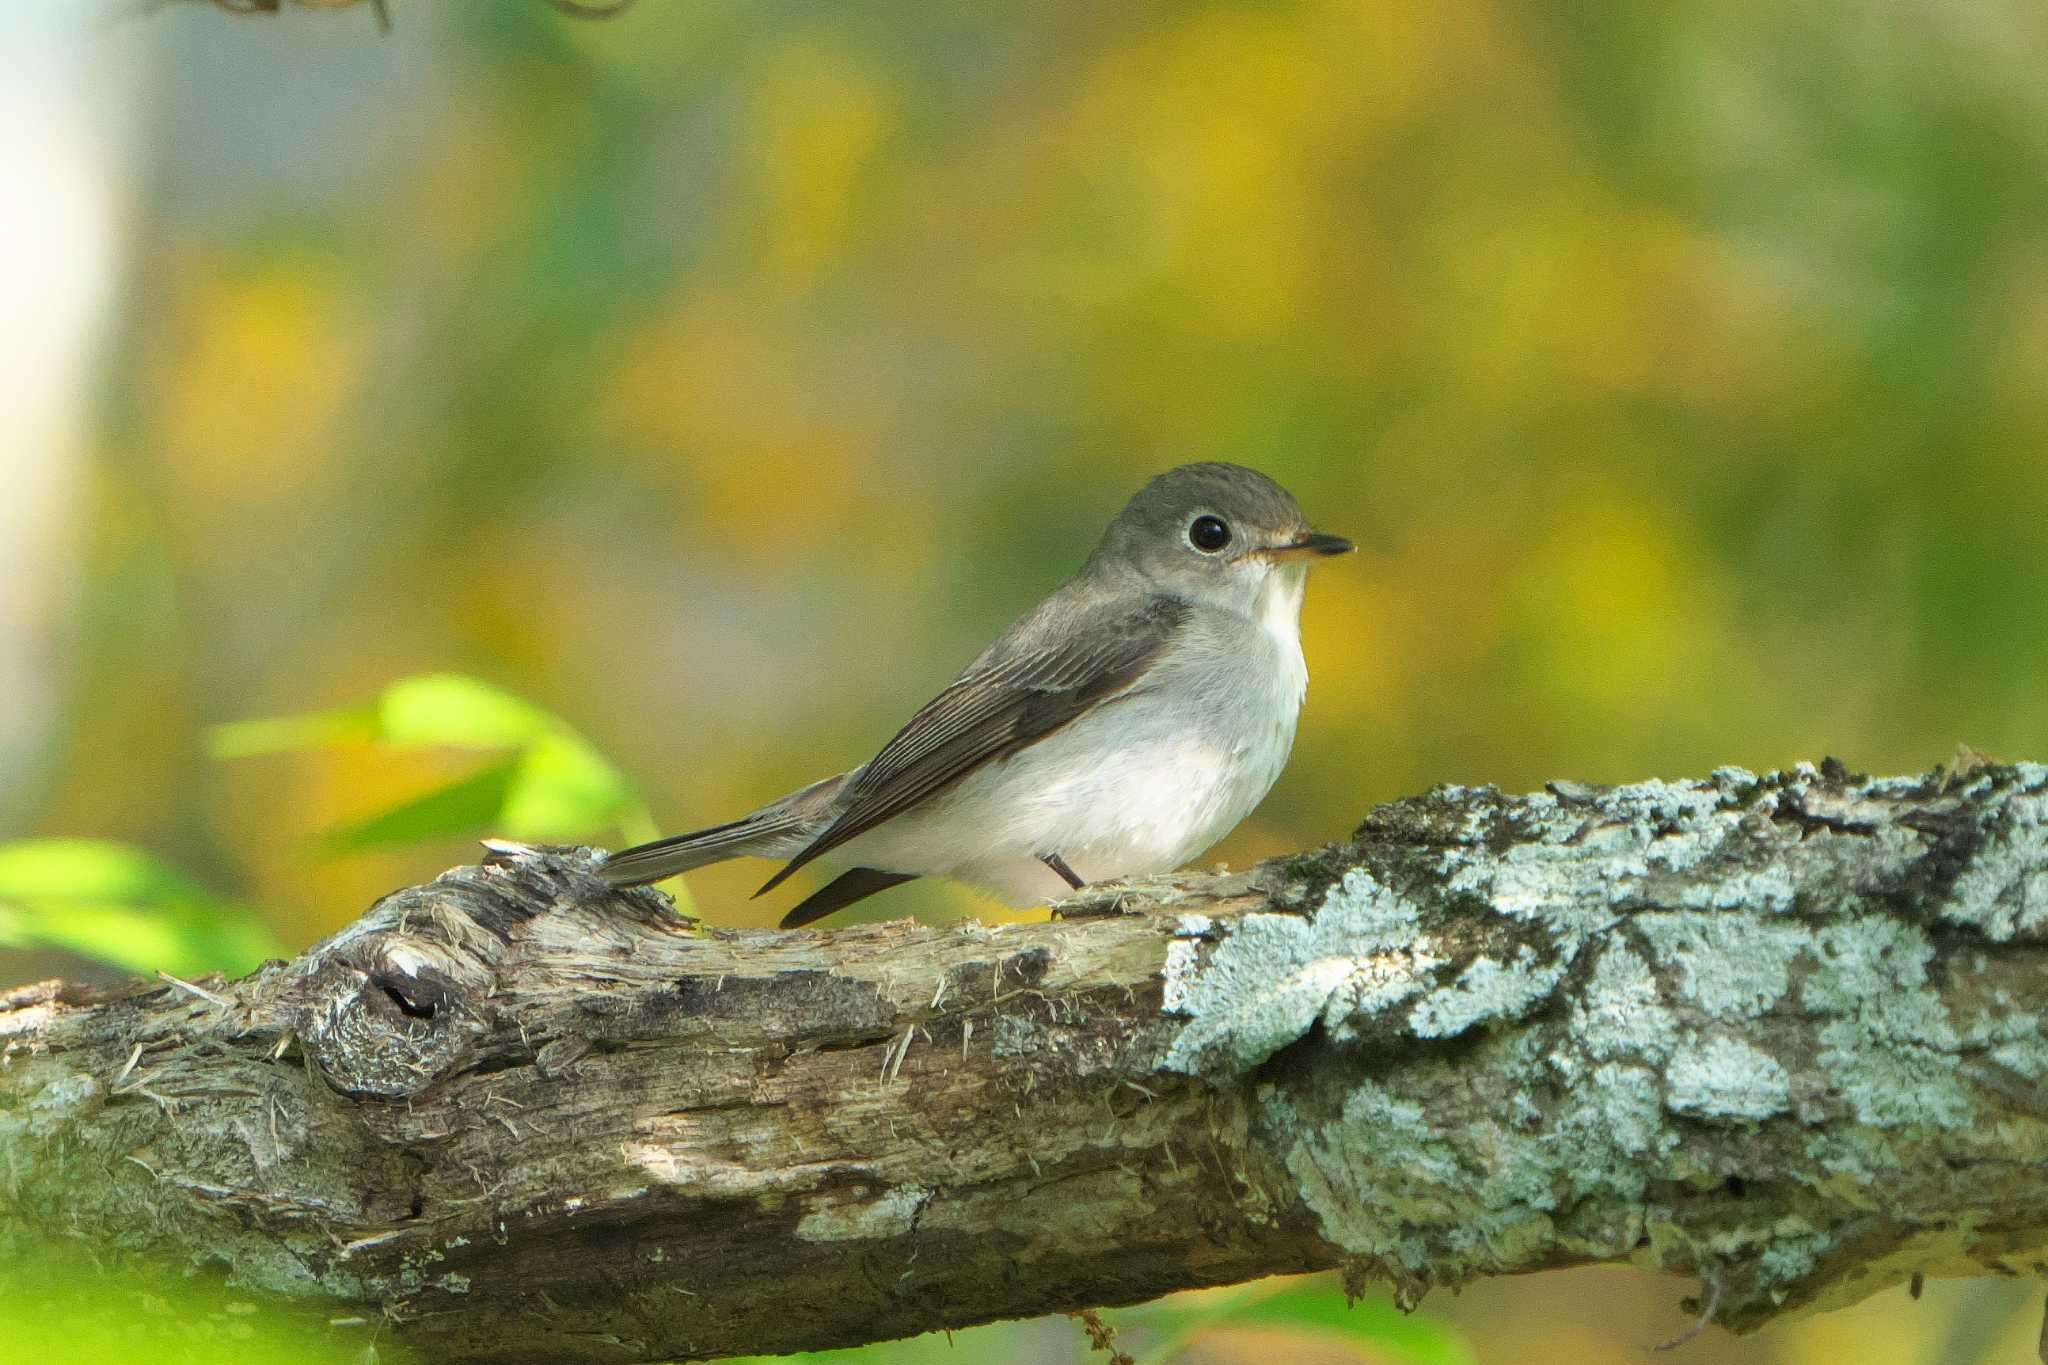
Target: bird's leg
{"x":1059,"y":865}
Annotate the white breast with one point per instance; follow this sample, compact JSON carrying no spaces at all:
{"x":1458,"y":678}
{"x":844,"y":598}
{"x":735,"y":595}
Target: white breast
{"x":1143,"y":785}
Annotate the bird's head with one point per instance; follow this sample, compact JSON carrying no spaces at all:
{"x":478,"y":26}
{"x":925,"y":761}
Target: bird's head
{"x":1216,"y":532}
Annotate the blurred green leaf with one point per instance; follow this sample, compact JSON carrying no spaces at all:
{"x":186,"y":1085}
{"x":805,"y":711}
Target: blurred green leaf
{"x":552,"y":786}
{"x":1412,"y":1337}
{"x":431,"y":710}
{"x":458,"y":809}
{"x":285,"y":734}
{"x":93,"y":869}
{"x":59,"y":1311}
{"x":452,"y":711}
{"x":1317,"y":1305}
{"x":118,"y":904}
{"x":562,"y":783}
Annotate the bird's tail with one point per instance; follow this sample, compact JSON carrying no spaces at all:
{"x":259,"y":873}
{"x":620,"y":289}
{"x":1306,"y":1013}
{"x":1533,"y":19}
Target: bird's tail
{"x":777,"y":830}
{"x":751,"y":837}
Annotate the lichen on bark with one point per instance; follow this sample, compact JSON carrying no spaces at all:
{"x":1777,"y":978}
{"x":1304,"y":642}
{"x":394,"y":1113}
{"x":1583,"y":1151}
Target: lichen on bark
{"x":1664,"y":990}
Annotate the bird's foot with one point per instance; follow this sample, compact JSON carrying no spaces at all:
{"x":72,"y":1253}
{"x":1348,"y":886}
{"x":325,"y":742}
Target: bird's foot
{"x":1059,"y":865}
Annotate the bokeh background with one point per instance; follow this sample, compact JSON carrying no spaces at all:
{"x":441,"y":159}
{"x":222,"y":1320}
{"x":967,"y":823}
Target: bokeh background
{"x":722,"y":376}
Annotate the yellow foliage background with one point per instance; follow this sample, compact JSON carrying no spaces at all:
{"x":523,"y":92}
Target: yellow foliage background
{"x":722,"y":376}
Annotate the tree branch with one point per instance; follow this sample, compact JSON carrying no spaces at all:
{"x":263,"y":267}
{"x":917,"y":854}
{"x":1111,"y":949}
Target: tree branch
{"x":1783,"y":1035}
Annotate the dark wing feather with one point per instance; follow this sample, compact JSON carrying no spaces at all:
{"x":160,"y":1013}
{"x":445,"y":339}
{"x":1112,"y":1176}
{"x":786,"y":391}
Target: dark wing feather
{"x":849,"y":887}
{"x":1006,"y":701}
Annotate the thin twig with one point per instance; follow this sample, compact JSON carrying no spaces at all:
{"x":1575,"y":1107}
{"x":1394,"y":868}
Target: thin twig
{"x":892,"y":1057}
{"x":1698,"y":1329}
{"x":212,"y":997}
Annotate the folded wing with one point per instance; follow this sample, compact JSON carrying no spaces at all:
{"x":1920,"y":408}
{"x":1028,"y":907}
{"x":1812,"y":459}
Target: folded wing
{"x":1030,"y":684}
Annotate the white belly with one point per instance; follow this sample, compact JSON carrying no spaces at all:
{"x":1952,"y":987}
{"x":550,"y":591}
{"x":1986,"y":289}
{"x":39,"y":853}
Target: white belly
{"x":1142,"y":785}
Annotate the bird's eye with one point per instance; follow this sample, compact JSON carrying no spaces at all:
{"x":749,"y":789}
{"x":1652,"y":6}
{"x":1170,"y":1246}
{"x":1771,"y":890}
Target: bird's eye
{"x":1208,"y":534}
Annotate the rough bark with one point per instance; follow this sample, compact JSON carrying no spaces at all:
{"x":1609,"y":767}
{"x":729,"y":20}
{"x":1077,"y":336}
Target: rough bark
{"x":1782,"y":1034}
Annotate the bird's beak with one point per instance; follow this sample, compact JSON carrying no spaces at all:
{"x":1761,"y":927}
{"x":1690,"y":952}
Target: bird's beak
{"x":1314,"y":545}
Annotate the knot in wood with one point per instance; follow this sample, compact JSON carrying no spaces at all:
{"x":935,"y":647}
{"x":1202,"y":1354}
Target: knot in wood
{"x":397,"y":1001}
{"x":402,"y":999}
{"x":387,"y":1020}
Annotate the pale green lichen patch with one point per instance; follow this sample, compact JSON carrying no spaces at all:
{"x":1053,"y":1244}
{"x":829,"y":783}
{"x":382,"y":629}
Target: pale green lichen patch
{"x":1894,"y":1086}
{"x":1384,"y":1182}
{"x":1525,"y":884}
{"x":1275,"y":975}
{"x":1853,"y":1163}
{"x":2009,"y":1034}
{"x":1889,"y":1045}
{"x":2015,"y":1043}
{"x":1769,"y":889}
{"x":1620,"y":1012}
{"x":1792,"y":1258}
{"x":1667,"y":803}
{"x":1486,"y":991}
{"x":1596,"y":1145}
{"x":2004,"y":890}
{"x":1726,"y":1078}
{"x":1375,"y":1177}
{"x":2026,"y":1057}
{"x":1731,"y":966}
{"x":1623,"y":1122}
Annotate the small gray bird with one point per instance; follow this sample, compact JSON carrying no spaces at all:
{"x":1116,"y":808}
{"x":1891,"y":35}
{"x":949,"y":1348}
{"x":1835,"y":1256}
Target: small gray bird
{"x":1122,"y":726}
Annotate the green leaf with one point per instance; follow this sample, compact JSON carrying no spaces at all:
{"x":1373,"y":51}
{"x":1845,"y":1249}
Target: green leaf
{"x":469,"y":806}
{"x":552,"y":787}
{"x":564,"y":792}
{"x":64,"y":1311}
{"x":286,"y":734}
{"x":92,"y":869}
{"x":1409,"y":1337}
{"x":120,"y":905}
{"x":457,"y":712}
{"x":129,"y":938}
{"x":433,"y":710}
{"x":1318,"y":1306}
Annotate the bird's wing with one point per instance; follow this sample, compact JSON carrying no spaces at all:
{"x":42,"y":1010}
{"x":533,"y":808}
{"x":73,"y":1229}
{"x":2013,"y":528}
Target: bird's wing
{"x":849,"y":887}
{"x":1022,"y":690}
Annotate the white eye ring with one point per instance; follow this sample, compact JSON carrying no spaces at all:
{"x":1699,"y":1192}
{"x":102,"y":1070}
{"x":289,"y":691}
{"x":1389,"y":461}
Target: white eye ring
{"x":1209,"y":534}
